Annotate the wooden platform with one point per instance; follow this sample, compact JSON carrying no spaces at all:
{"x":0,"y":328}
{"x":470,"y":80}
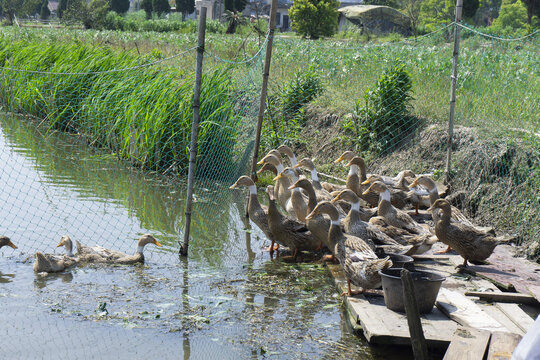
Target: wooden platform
{"x":454,"y":311}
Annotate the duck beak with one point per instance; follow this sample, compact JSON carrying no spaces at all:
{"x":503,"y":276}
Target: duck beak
{"x":259,"y":171}
{"x":333,"y":201}
{"x":61,"y":243}
{"x":261,"y":162}
{"x":157,"y":243}
{"x":278,"y":177}
{"x":367,"y":191}
{"x":296,"y":166}
{"x":431,"y":208}
{"x":310,"y":215}
{"x":366,"y":182}
{"x":293,"y":186}
{"x":12,"y":244}
{"x":413,"y":184}
{"x":233,"y":186}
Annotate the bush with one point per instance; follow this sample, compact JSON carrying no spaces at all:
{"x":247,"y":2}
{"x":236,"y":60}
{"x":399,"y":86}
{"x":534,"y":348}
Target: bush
{"x":303,"y":88}
{"x":385,"y":118}
{"x":314,"y":18}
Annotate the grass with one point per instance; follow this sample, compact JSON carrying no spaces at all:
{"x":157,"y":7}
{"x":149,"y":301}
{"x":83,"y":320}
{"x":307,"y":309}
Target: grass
{"x":143,"y":116}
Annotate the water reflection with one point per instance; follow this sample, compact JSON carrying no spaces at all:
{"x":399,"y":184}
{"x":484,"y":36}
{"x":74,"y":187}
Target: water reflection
{"x":43,"y":281}
{"x":6,"y":278}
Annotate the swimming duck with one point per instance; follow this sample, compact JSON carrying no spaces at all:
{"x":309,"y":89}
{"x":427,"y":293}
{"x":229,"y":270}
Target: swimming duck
{"x":51,"y":263}
{"x":99,"y":254}
{"x":356,"y":256}
{"x":287,"y":231}
{"x":469,"y":242}
{"x":297,"y":203}
{"x":401,"y":219}
{"x":257,"y":213}
{"x":5,"y":241}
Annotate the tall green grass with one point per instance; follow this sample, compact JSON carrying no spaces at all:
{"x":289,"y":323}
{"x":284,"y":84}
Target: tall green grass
{"x":143,"y":115}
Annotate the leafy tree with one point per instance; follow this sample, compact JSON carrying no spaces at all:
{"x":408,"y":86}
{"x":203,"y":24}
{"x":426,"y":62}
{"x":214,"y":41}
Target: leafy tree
{"x":120,"y":6}
{"x":186,"y":7}
{"x":161,"y":7}
{"x":533,"y":9}
{"x":44,"y":12}
{"x":235,"y":5}
{"x":146,"y":5}
{"x":412,"y":9}
{"x":234,"y":19}
{"x":487,"y":11}
{"x":62,"y":6}
{"x":10,"y":8}
{"x":512,"y":15}
{"x":92,"y":14}
{"x":314,"y":18}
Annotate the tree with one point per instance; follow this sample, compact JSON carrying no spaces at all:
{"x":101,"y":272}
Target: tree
{"x":391,"y":3}
{"x":235,"y":5}
{"x":512,"y":15}
{"x":92,"y":14}
{"x":161,"y":7}
{"x":186,"y":7}
{"x":146,"y":5}
{"x":45,"y":12}
{"x":314,"y":18}
{"x":533,"y":8}
{"x":120,"y":6}
{"x":62,"y":6}
{"x":234,"y":19}
{"x":412,"y":8}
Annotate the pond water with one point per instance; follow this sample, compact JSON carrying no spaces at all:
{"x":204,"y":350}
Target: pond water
{"x":228,"y":300}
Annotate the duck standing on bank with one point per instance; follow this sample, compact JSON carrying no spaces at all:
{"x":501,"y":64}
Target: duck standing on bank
{"x":357,"y":257}
{"x":467,"y":241}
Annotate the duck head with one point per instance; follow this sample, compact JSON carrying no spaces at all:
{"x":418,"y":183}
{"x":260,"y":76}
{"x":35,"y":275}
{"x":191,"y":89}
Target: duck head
{"x":346,"y":156}
{"x":267,"y":167}
{"x":347,"y":195}
{"x":242,"y":181}
{"x":371,"y":179}
{"x":284,"y":149}
{"x":66,"y":242}
{"x":377,"y":186}
{"x":270,"y":192}
{"x":441,"y":204}
{"x":144,"y":240}
{"x":288,"y":172}
{"x":307,"y":163}
{"x":424,"y":181}
{"x":5,"y":241}
{"x":324,"y":207}
{"x":301,"y":183}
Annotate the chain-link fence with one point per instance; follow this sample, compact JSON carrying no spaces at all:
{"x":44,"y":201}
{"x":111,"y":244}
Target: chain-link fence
{"x":95,"y":140}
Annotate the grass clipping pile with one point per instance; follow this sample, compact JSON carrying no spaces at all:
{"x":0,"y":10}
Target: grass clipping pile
{"x":495,"y":180}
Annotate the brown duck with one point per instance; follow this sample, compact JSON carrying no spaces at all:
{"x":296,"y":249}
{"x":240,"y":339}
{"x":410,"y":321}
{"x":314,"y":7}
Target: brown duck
{"x":287,"y":231}
{"x":469,"y":242}
{"x":356,"y":256}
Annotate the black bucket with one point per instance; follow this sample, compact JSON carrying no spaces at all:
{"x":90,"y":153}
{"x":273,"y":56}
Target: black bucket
{"x":426,"y":288}
{"x":399,"y":260}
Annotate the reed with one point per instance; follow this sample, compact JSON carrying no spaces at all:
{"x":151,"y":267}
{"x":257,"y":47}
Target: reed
{"x":142,"y":115}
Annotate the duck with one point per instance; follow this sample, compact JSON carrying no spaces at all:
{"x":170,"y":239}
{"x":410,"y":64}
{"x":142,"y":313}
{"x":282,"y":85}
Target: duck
{"x":318,"y":225}
{"x":308,"y":164}
{"x":257,"y":213}
{"x":284,"y":149}
{"x":5,"y":241}
{"x":99,"y":254}
{"x":293,"y":234}
{"x":357,"y":257}
{"x":354,"y":224}
{"x":398,"y":197}
{"x":469,"y":242}
{"x":297,"y":204}
{"x":51,"y":263}
{"x":400,"y":219}
{"x":330,"y":187}
{"x":281,"y":189}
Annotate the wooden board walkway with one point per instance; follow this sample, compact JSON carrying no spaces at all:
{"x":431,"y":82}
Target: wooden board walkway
{"x":454,"y":311}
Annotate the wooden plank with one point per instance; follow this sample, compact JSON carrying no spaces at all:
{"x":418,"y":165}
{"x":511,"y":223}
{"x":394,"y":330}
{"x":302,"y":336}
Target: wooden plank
{"x":383,"y":326}
{"x":468,"y":344}
{"x":517,"y":315}
{"x":465,"y":312}
{"x":416,"y":333}
{"x":516,"y":298}
{"x":502,"y":345}
{"x":534,"y":290}
{"x":501,"y":317}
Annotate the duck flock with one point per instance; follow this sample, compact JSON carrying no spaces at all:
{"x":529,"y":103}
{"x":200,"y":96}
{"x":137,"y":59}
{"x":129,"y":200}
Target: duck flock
{"x":362,"y":223}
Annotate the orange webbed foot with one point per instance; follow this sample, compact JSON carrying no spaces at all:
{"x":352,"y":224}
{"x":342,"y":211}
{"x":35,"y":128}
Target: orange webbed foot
{"x":448,"y":249}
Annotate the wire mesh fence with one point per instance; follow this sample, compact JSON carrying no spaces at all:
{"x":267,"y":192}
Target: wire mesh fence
{"x":95,"y":144}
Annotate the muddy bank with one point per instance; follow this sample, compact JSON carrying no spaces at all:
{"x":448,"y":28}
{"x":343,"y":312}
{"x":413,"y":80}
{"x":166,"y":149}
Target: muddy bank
{"x":497,"y":177}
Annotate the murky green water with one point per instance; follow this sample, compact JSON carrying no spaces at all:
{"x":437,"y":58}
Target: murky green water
{"x":229,"y":300}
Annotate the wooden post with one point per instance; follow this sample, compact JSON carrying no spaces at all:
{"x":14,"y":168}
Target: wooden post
{"x":264,"y":88}
{"x":194,"y":129}
{"x":418,"y":341}
{"x":457,"y":28}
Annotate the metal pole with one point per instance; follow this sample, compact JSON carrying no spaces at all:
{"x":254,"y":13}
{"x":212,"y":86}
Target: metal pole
{"x":457,"y":29}
{"x":194,"y":129}
{"x":264,"y":89}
